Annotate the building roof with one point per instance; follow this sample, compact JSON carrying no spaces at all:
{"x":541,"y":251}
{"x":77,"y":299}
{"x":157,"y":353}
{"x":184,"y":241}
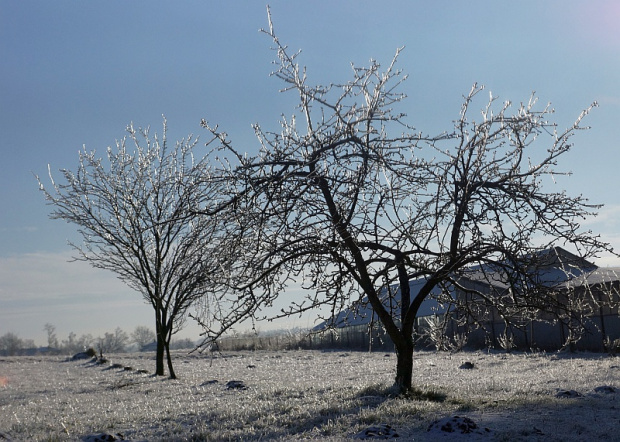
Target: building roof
{"x":597,"y":276}
{"x":361,"y":313}
{"x":555,"y":267}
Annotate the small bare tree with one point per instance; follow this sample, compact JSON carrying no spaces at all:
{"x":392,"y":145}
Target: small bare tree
{"x":136,"y":215}
{"x":10,"y":344}
{"x":73,"y":344}
{"x":142,"y":336}
{"x":113,"y":342}
{"x":52,"y":340}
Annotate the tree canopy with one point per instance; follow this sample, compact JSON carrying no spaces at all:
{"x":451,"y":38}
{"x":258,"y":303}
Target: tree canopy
{"x":349,"y":200}
{"x":136,"y":213}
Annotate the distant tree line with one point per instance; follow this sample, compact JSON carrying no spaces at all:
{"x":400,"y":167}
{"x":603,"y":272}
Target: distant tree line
{"x":11,"y":344}
{"x":117,"y":341}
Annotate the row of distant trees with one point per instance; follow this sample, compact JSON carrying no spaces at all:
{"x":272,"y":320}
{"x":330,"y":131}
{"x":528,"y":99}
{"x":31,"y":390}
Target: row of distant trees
{"x":117,"y":341}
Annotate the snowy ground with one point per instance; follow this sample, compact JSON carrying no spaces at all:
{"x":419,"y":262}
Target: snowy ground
{"x":311,"y":395}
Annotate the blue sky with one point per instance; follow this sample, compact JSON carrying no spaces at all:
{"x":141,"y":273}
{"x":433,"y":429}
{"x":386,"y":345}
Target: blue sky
{"x":76,"y":73}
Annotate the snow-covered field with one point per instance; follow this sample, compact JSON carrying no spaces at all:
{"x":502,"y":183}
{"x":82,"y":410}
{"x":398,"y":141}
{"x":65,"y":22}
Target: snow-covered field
{"x":310,"y":395}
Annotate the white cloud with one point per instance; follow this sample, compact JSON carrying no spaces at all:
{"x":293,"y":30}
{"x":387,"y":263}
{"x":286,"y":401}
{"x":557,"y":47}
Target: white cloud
{"x":606,"y":224}
{"x":607,"y":217}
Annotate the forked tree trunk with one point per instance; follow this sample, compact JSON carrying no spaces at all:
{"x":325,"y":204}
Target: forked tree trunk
{"x":164,"y":334}
{"x":169,"y":358}
{"x":404,"y":365}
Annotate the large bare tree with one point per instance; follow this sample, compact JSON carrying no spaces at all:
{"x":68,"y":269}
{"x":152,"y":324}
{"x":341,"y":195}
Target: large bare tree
{"x":135,"y":211}
{"x":350,"y":201}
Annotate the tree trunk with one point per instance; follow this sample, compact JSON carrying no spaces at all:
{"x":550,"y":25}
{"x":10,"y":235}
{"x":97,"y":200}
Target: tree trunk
{"x":159,"y":357}
{"x":404,"y":365}
{"x":170,"y":368}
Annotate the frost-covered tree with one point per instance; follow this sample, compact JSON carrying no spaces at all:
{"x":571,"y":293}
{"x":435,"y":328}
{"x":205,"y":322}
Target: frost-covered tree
{"x":350,"y":201}
{"x":52,"y":340}
{"x":73,"y":344}
{"x":113,"y":342}
{"x":142,"y":336}
{"x":10,"y":343}
{"x":135,"y":211}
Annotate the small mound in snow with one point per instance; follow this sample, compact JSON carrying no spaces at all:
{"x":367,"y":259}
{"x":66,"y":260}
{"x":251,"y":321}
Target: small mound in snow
{"x":114,"y":367}
{"x":381,"y":431}
{"x":88,"y":354}
{"x":568,"y":394}
{"x":607,"y":389}
{"x":236,"y":385}
{"x":5,"y":437}
{"x":456,"y":425}
{"x":103,"y":437}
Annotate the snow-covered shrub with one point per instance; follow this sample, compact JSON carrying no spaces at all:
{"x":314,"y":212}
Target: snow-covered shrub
{"x":612,"y":346}
{"x":437,"y":333}
{"x":506,"y":341}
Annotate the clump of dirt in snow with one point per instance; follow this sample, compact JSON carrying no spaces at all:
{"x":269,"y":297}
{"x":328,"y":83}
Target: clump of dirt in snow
{"x":456,"y":425}
{"x":5,"y":437}
{"x":381,"y":431}
{"x":103,"y":437}
{"x":607,"y":389}
{"x":236,"y":385}
{"x":88,"y":354}
{"x":568,"y":394}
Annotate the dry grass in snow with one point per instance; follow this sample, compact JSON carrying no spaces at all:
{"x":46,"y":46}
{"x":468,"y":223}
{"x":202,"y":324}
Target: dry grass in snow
{"x":298,"y":395}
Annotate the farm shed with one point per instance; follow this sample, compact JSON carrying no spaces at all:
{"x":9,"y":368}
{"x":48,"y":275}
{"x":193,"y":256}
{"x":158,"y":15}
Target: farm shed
{"x":359,"y":328}
{"x":573,"y":281}
{"x":570,"y":278}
